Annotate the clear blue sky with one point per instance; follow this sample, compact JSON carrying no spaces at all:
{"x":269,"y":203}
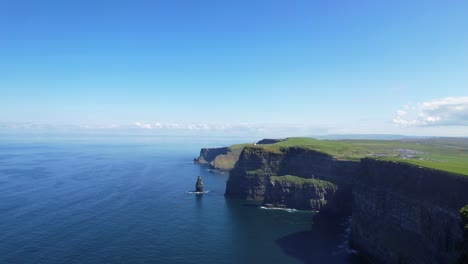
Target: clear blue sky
{"x":330,"y":66}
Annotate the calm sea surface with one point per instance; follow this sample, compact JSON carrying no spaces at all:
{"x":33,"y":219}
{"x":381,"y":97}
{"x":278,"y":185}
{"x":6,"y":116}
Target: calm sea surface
{"x":125,"y":200}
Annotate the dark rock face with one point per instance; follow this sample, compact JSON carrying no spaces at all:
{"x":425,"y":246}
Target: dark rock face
{"x":304,"y":196}
{"x":407,"y":214}
{"x":199,"y":185}
{"x":308,"y":163}
{"x":464,"y":225}
{"x":251,"y":175}
{"x":401,"y":213}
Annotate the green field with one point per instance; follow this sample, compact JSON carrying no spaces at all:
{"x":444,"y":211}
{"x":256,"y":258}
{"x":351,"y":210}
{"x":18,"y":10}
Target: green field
{"x":447,"y":154}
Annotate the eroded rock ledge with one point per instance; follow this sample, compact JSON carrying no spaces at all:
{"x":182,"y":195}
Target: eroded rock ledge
{"x":251,"y":178}
{"x":295,"y":192}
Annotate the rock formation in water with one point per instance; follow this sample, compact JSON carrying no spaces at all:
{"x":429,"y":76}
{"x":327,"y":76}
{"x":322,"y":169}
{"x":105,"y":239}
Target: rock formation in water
{"x":199,"y":185}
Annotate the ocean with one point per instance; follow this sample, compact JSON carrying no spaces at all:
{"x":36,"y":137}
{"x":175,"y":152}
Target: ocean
{"x":126,"y":199}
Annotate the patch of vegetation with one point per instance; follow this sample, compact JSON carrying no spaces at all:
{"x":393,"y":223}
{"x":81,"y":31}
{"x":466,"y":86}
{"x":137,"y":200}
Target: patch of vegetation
{"x":300,"y":182}
{"x":227,"y":161}
{"x":441,"y":154}
{"x":268,"y":141}
{"x":464,"y":217}
{"x":238,"y":147}
{"x":337,"y":149}
{"x":435,"y":154}
{"x":254,"y":172}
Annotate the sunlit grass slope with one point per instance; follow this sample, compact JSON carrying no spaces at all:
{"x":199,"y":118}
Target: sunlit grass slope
{"x":442,"y":154}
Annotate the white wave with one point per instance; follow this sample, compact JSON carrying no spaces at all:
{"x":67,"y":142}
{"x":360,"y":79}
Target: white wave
{"x":279,"y":208}
{"x":192,"y":192}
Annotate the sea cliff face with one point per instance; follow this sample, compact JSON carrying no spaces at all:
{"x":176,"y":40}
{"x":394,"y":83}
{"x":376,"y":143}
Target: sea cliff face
{"x":222,"y":159}
{"x":208,"y":155}
{"x":407,"y":214}
{"x":250,"y":177}
{"x":401,"y":213}
{"x":304,"y":194}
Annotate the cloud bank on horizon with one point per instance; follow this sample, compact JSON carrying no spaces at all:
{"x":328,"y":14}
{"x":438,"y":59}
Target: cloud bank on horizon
{"x":439,"y":117}
{"x":448,"y":111}
{"x":166,"y":128}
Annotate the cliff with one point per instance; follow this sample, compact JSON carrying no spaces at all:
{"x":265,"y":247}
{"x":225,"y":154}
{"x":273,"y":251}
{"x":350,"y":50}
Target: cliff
{"x":208,"y":155}
{"x":222,"y":158}
{"x":464,"y":225}
{"x":407,"y":214}
{"x":251,"y":175}
{"x":295,"y":192}
{"x":405,"y":208}
{"x":248,"y":178}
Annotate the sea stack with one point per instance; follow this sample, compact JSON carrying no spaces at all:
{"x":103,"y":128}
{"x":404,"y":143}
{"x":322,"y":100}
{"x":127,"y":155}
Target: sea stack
{"x":199,"y":185}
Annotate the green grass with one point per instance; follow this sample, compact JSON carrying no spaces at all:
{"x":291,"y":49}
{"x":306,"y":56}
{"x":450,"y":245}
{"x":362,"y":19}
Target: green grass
{"x":442,"y":154}
{"x":439,"y":155}
{"x":300,"y":182}
{"x":464,"y":217}
{"x":238,"y":147}
{"x":337,"y":149}
{"x":254,"y":172}
{"x":227,"y":161}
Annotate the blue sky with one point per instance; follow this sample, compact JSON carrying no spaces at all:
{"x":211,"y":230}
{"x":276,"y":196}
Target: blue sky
{"x":268,"y":67}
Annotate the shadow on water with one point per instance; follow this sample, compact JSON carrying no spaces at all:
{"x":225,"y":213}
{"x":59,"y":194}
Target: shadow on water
{"x":253,"y":204}
{"x":199,"y":198}
{"x":319,"y":244}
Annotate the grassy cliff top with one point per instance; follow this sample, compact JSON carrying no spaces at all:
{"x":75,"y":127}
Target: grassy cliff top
{"x":447,"y":154}
{"x":335,"y":148}
{"x":298,"y":181}
{"x":238,"y":147}
{"x":227,"y":161}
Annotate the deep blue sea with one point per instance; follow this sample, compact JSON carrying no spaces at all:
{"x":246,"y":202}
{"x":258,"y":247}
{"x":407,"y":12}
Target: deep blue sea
{"x":125,"y":200}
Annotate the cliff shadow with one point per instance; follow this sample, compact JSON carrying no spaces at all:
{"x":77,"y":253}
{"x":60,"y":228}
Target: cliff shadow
{"x":325,"y":242}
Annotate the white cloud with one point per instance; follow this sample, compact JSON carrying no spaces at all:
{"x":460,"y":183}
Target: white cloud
{"x":198,"y":126}
{"x":256,"y":130}
{"x":143,"y":125}
{"x":449,"y":111}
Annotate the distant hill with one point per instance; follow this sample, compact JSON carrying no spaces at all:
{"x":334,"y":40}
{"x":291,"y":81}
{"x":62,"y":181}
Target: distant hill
{"x":448,"y":141}
{"x":365,"y":136}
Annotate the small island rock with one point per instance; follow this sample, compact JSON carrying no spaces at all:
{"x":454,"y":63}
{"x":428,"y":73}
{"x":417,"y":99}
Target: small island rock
{"x":199,"y":185}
